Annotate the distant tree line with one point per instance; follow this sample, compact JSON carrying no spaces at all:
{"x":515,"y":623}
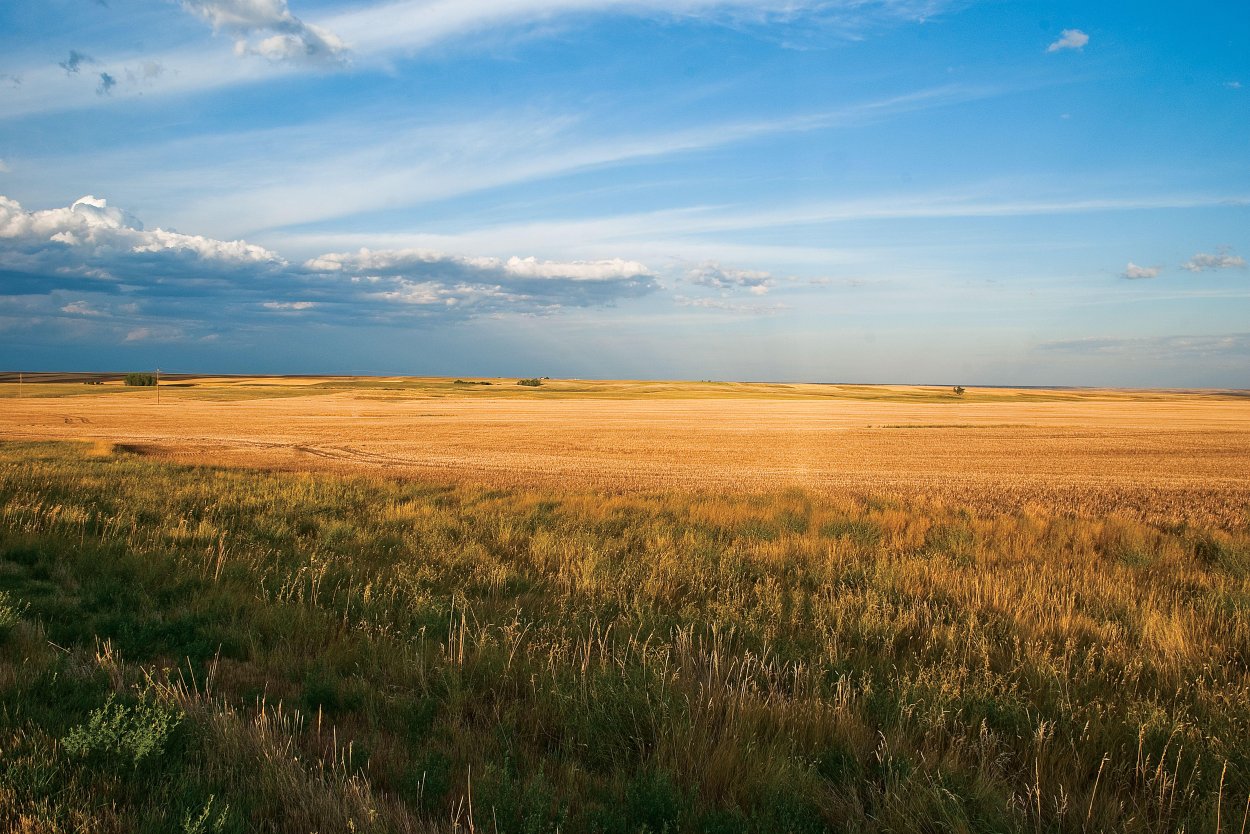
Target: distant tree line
{"x":141,"y":380}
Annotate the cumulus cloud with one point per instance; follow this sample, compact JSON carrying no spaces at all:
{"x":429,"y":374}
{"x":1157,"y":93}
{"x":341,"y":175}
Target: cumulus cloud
{"x":423,"y":278}
{"x":289,"y":38}
{"x":93,"y":262}
{"x":712,"y":274}
{"x":90,"y":234}
{"x":1202,"y":262}
{"x":1134,"y":272}
{"x":426,"y":261}
{"x":1069,"y":39}
{"x":106,"y":85}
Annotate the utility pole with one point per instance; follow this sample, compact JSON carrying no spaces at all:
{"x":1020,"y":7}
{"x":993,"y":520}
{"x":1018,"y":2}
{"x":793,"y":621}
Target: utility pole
{"x":158,"y":386}
{"x":19,"y":385}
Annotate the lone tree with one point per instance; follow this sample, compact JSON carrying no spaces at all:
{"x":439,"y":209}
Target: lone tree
{"x":959,"y":390}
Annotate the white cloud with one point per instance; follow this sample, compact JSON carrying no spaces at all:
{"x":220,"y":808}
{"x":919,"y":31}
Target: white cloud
{"x":712,"y":274}
{"x":289,"y":305}
{"x":155,"y":333}
{"x":412,"y":25}
{"x":1233,"y":85}
{"x":81,"y":308}
{"x":415,"y":261}
{"x":90,"y":225}
{"x":351,"y":166}
{"x":292,"y":38}
{"x":81,"y":259}
{"x":428,"y":280}
{"x":674,"y":239}
{"x":1069,"y":39}
{"x":723,"y":306}
{"x":1133,"y":271}
{"x":375,"y":33}
{"x":4,"y":167}
{"x":608,"y":270}
{"x":1203,"y":262}
{"x":236,"y":251}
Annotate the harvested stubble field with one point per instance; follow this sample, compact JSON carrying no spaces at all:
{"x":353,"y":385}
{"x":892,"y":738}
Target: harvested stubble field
{"x":622,"y":608}
{"x":1166,"y":457}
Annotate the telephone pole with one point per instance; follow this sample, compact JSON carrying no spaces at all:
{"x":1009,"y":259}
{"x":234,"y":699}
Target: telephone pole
{"x":158,"y":386}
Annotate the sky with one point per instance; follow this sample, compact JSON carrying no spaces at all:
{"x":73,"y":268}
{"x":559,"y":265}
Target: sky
{"x":891,"y":191}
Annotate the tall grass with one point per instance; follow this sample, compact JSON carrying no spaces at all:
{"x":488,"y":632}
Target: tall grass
{"x":210,"y":650}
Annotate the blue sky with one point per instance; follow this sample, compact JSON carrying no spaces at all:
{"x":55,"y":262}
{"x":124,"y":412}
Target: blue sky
{"x":895,"y":191}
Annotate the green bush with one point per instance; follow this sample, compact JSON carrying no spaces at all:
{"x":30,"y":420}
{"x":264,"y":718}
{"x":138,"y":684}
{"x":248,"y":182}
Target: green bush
{"x":125,"y":735}
{"x":206,"y":821}
{"x":532,"y":383}
{"x":141,"y":380}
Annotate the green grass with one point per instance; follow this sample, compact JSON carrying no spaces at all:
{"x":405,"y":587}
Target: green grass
{"x":193,"y":649}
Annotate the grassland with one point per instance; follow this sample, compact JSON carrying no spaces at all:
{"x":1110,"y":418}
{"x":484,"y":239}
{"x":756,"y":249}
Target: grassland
{"x":414,"y":648}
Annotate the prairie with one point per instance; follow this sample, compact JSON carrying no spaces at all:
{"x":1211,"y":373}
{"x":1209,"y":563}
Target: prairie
{"x":396,"y":606}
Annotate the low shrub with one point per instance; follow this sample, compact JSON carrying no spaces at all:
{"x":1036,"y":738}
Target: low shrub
{"x":124,"y":735}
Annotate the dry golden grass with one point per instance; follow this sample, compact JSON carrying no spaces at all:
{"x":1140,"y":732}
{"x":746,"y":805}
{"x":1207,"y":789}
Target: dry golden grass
{"x":1164,"y":457}
{"x":401,"y":655}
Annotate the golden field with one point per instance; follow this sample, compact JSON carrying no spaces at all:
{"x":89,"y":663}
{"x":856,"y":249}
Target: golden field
{"x":407,"y":605}
{"x":1155,"y":455}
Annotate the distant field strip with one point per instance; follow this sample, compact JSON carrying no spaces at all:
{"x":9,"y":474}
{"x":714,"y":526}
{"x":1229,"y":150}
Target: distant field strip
{"x":1160,"y":457}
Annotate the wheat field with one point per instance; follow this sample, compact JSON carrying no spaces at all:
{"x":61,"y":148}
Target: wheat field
{"x":1160,"y":456}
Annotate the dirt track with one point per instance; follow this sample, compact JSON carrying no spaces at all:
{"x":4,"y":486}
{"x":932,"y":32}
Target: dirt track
{"x":1179,"y":459}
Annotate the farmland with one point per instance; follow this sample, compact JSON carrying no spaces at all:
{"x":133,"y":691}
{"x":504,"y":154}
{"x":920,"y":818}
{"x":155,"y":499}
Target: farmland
{"x":319,"y":604}
{"x":1167,"y":457}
